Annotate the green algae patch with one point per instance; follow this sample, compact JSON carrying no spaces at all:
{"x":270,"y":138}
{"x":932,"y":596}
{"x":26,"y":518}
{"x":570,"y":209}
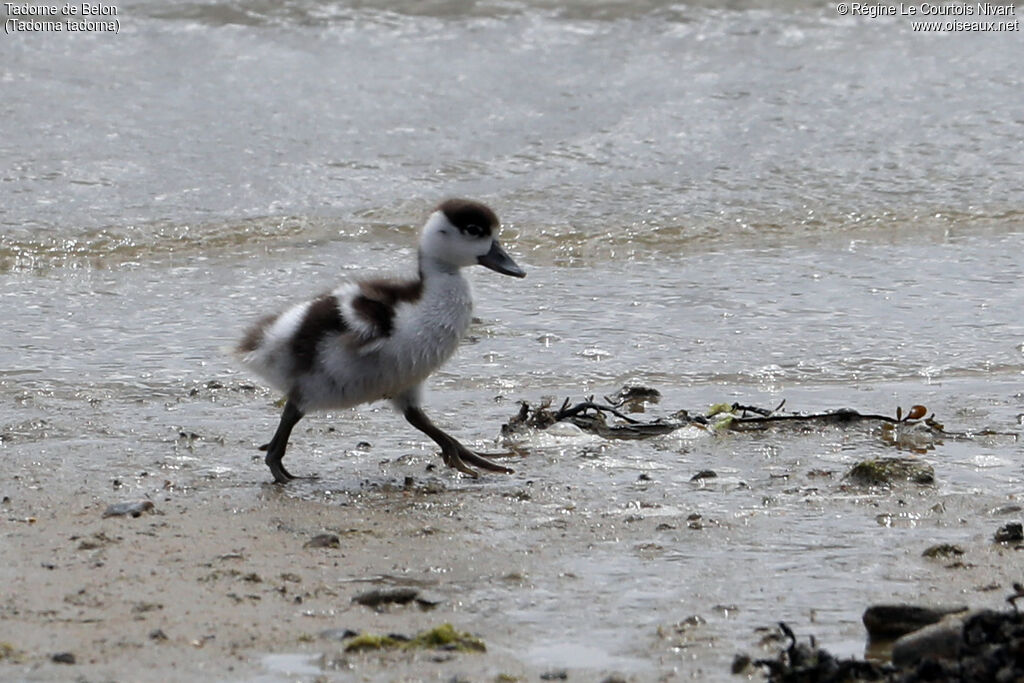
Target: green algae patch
{"x":445,"y":636}
{"x":886,"y":471}
{"x":719,"y":408}
{"x":440,"y":637}
{"x":365,"y":642}
{"x":9,"y":653}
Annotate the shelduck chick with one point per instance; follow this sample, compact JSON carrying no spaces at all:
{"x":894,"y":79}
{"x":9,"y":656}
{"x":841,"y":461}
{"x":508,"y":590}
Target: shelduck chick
{"x":380,"y":339}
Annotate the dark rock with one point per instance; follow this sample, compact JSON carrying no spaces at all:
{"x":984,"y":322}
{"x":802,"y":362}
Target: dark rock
{"x":740,"y":664}
{"x":157,"y":634}
{"x":1010,"y":533}
{"x":63,"y":658}
{"x":383,"y":596}
{"x":942,"y":550}
{"x":983,"y":646}
{"x":940,"y":640}
{"x":323,"y":541}
{"x":704,"y":474}
{"x":885,"y":622}
{"x":560,"y":675}
{"x":980,"y":646}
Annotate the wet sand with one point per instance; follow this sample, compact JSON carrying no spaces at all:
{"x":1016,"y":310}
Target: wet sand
{"x":202,"y":587}
{"x":216,"y":582}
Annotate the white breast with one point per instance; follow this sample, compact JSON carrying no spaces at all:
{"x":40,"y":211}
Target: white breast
{"x":428,"y":332}
{"x":425,"y":334}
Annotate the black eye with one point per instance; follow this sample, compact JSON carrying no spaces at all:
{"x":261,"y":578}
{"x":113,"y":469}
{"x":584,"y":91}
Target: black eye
{"x":473,"y":230}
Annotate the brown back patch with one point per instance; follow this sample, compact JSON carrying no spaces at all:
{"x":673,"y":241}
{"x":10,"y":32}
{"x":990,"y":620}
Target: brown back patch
{"x":392,"y":292}
{"x":378,"y":298}
{"x":323,"y":317}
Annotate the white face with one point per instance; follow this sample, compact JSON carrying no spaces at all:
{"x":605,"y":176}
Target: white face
{"x":443,"y":242}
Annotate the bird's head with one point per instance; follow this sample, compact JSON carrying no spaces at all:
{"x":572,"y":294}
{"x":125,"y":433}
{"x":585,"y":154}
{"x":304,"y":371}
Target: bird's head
{"x":462,"y":232}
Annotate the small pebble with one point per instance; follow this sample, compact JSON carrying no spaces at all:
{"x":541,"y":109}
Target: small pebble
{"x":338,"y":634}
{"x":63,"y":658}
{"x":378,"y":597}
{"x":942,"y":550}
{"x":1010,"y":533}
{"x":133,"y":509}
{"x":740,"y":664}
{"x":323,"y":541}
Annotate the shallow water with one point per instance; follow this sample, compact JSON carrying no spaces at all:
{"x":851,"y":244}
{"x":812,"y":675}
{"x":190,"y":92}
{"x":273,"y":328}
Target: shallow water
{"x":753,"y":203}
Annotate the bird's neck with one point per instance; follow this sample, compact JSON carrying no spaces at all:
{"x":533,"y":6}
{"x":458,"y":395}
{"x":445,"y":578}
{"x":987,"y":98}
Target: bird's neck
{"x":432,"y":268}
{"x":447,"y":297}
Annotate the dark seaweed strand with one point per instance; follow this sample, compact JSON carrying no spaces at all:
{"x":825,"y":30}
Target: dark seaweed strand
{"x":323,"y":317}
{"x":470,"y":216}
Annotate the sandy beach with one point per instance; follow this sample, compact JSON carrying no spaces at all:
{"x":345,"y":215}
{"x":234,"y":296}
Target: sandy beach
{"x":200,"y":587}
{"x":217,"y":581}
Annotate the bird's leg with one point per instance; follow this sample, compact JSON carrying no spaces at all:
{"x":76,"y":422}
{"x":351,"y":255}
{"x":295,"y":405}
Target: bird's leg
{"x":454,"y":453}
{"x":275,"y":449}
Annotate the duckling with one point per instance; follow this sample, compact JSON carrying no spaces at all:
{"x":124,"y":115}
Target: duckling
{"x":370,"y":340}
